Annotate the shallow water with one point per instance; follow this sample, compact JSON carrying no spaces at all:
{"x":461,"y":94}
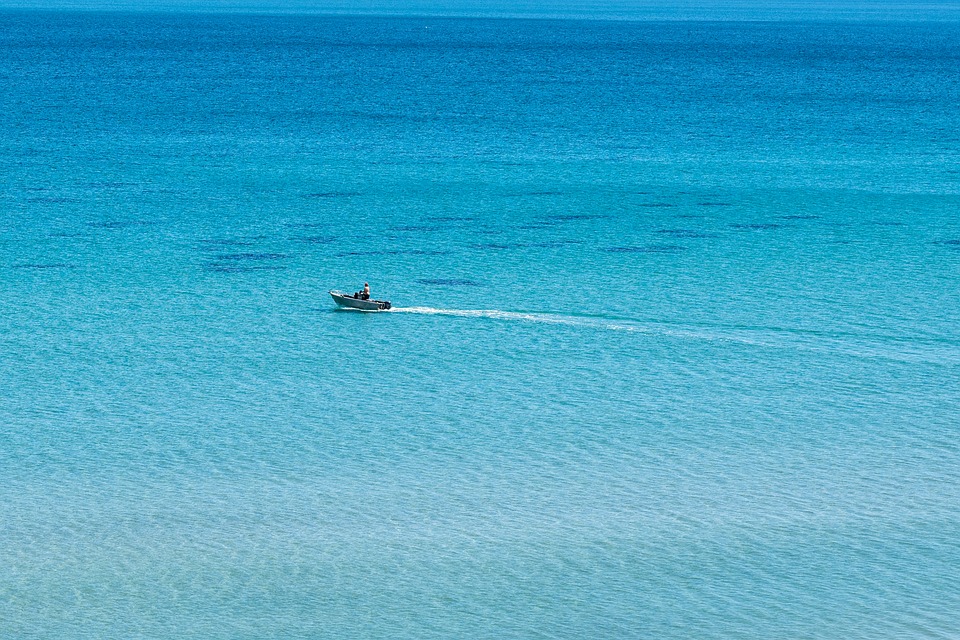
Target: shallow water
{"x":673,"y":351}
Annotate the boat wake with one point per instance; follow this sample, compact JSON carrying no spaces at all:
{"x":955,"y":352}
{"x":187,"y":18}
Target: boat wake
{"x":857,"y":344}
{"x":609,"y":323}
{"x":546,"y":318}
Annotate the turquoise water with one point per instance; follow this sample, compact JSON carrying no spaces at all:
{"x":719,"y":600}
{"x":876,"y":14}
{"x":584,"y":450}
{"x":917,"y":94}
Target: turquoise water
{"x":673,"y":351}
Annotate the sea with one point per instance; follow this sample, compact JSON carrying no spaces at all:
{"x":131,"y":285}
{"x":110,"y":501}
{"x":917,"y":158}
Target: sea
{"x":673,"y":350}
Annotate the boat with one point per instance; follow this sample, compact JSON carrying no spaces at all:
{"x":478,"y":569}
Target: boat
{"x":354,"y":301}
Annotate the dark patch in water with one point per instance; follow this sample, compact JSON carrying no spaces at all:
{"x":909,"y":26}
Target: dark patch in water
{"x":229,"y":268}
{"x":392,"y":252}
{"x":495,"y":246}
{"x":252,"y":256}
{"x":110,"y":185}
{"x":685,"y":233}
{"x":554,"y":244}
{"x":763,"y":226}
{"x":333,"y":194}
{"x":570,"y":217}
{"x":549,"y":221}
{"x":315,"y":239}
{"x":40,"y":266}
{"x":948,"y":243}
{"x":214,"y":244}
{"x":451,"y":218}
{"x":443,"y":282}
{"x":652,"y":248}
{"x":417,"y":228}
{"x":714,"y":204}
{"x":536,"y":193}
{"x":119,"y":224}
{"x":306,"y":225}
{"x":67,"y":234}
{"x":800,"y":217}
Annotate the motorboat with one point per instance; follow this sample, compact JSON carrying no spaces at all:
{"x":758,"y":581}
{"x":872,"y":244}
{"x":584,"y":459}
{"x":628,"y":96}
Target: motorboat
{"x":356,"y":301}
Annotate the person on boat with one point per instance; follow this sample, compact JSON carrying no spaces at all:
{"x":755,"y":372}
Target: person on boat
{"x":366,"y":291}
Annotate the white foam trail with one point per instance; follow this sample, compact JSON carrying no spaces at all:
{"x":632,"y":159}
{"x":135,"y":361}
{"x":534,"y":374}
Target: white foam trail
{"x":487,"y":313}
{"x":770,"y":338}
{"x":547,"y":318}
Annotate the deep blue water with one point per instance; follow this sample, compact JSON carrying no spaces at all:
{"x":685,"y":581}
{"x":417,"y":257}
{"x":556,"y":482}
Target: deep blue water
{"x":674,"y":351}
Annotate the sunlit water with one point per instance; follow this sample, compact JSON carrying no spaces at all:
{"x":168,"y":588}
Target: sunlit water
{"x":673,"y":351}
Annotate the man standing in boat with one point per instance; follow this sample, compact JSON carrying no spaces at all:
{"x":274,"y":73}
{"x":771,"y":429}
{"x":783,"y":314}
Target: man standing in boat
{"x":366,"y":291}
